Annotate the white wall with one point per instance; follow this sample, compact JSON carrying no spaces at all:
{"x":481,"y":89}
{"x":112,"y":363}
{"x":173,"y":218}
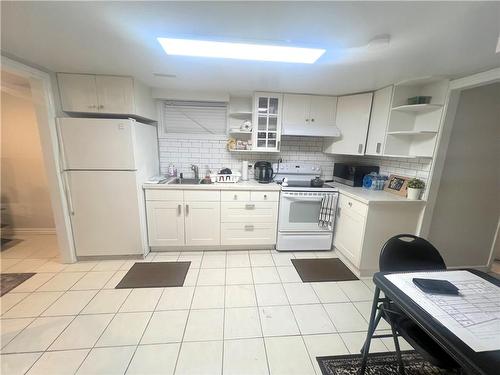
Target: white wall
{"x":24,"y":189}
{"x":468,"y":203}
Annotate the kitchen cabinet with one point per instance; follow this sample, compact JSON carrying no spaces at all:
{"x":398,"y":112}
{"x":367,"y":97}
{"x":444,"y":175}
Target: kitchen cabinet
{"x":110,"y":95}
{"x":211,"y":219}
{"x":114,"y":94}
{"x":202,"y":223}
{"x":266,"y":134}
{"x":308,"y":114}
{"x":78,"y":92}
{"x":379,"y":118}
{"x":352,"y":119}
{"x":362,"y":228}
{"x":165,"y":223}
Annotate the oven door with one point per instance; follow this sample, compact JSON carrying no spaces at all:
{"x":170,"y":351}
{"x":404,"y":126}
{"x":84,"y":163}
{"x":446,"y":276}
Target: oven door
{"x":299,"y":212}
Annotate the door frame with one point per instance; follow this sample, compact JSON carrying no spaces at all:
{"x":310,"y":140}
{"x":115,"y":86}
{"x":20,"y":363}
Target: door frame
{"x":45,"y":109}
{"x":455,"y":90}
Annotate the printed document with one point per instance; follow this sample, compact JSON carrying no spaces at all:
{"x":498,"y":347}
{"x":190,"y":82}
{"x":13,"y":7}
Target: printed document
{"x":473,"y":315}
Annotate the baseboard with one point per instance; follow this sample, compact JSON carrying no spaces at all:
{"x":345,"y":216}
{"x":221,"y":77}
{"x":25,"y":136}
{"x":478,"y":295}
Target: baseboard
{"x":14,"y":231}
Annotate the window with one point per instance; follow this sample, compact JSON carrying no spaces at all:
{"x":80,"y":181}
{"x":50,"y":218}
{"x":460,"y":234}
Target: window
{"x":194,"y":117}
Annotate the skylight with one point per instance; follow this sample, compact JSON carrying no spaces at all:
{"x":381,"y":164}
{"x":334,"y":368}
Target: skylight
{"x":240,"y":51}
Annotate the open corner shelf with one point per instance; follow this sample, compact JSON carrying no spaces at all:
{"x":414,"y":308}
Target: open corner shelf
{"x":243,"y":115}
{"x":418,"y":107}
{"x":413,"y":132}
{"x":240,"y":132}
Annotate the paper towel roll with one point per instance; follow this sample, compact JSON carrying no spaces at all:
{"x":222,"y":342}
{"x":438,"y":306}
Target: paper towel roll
{"x":244,"y":170}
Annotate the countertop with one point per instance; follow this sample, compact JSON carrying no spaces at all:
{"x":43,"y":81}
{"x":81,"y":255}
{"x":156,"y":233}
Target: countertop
{"x":373,"y":196}
{"x":363,"y":195}
{"x":242,"y":185}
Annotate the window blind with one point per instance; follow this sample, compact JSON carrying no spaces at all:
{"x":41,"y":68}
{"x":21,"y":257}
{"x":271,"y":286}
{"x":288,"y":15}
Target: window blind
{"x":194,"y":117}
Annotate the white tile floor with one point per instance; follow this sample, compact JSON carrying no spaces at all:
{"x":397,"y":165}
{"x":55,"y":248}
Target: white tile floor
{"x":244,"y":312}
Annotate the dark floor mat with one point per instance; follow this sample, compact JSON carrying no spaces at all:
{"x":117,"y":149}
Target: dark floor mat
{"x":9,"y":281}
{"x":323,"y":269}
{"x":378,"y":364}
{"x":7,"y":243}
{"x":155,"y":275}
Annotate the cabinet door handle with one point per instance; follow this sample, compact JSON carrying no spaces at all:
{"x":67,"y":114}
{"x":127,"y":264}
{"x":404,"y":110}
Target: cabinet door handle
{"x":101,"y":107}
{"x":312,"y":120}
{"x":307,"y":120}
{"x":187,"y":209}
{"x":249,"y":206}
{"x":249,"y":227}
{"x":279,"y":144}
{"x":360,"y":148}
{"x":235,"y":197}
{"x":378,"y":147}
{"x":350,"y":204}
{"x":179,"y":209}
{"x":265,"y":196}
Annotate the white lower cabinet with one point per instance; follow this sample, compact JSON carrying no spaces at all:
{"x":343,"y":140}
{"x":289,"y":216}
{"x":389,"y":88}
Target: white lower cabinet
{"x":165,"y":223}
{"x":361,"y":229}
{"x":197,"y":218}
{"x":202,"y":223}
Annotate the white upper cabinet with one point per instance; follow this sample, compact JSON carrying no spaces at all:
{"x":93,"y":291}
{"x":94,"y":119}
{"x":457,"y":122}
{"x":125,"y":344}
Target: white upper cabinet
{"x":352,"y":119}
{"x":78,"y":92}
{"x":308,"y":114}
{"x":267,"y":121}
{"x":115,"y":95}
{"x":381,"y":109}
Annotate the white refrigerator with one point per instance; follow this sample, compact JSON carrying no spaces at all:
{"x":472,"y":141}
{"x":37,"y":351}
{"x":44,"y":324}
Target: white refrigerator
{"x":105,"y":162}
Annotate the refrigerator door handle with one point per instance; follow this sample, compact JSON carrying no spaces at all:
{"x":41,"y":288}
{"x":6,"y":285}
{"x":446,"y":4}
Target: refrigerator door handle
{"x":67,"y":190}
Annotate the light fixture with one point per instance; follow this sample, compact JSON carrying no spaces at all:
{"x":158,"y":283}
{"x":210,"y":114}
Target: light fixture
{"x":240,"y":51}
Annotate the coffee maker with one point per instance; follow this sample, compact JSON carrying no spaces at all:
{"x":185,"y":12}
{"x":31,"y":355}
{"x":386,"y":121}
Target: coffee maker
{"x":263,"y":172}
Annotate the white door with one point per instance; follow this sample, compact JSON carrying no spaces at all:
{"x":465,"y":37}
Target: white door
{"x":295,"y":113}
{"x":101,"y":144}
{"x":115,"y":94}
{"x":323,"y":110}
{"x":202,"y":220}
{"x":378,"y":121}
{"x":104,"y":212}
{"x":353,"y":116}
{"x":348,"y":237}
{"x":78,"y":92}
{"x":165,"y":223}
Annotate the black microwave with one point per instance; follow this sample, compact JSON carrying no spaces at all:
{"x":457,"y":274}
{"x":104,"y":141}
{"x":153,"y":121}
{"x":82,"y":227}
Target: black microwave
{"x":352,"y":174}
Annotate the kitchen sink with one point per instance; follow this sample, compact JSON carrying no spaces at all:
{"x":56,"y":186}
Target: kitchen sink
{"x":187,"y":181}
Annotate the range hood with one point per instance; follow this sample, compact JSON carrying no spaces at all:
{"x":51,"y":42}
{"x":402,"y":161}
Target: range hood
{"x":316,"y":130}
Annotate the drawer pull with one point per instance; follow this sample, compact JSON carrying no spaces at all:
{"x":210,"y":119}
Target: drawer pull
{"x":265,"y":196}
{"x":235,"y":196}
{"x":249,"y":227}
{"x":249,"y":206}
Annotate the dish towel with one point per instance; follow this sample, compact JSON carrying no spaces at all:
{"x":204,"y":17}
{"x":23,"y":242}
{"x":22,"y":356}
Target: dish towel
{"x":327,"y":211}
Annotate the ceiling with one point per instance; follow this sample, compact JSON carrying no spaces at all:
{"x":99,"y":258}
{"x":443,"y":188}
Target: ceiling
{"x":441,"y":38}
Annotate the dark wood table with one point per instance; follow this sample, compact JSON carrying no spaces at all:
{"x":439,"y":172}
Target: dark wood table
{"x":487,"y":363}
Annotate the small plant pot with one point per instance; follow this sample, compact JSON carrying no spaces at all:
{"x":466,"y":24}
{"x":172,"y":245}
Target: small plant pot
{"x":413,"y":194}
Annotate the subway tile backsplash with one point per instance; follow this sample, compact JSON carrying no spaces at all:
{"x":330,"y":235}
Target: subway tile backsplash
{"x":212,"y":154}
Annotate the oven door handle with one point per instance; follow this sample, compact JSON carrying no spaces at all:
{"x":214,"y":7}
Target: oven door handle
{"x":309,"y":199}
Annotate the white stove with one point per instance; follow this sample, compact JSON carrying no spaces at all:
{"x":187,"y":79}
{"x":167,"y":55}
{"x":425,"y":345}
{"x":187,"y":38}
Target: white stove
{"x":299,"y":221}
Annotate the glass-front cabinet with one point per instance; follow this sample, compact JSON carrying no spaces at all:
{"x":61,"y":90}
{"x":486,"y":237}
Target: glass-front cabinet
{"x":267,"y":121}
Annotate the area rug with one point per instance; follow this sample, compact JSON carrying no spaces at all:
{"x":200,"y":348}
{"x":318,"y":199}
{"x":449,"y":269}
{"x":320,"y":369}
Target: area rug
{"x":379,"y":364}
{"x":323,"y":269}
{"x":9,"y":281}
{"x":155,"y":275}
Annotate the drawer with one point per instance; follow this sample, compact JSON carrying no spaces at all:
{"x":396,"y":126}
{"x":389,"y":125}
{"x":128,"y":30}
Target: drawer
{"x":249,"y":212}
{"x":164,"y":195}
{"x":234,"y":196}
{"x":247,"y":234}
{"x":264,"y":196}
{"x":349,"y":204}
{"x":201,"y":196}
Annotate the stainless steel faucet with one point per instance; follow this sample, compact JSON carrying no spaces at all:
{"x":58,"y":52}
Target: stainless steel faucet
{"x":196,"y":171}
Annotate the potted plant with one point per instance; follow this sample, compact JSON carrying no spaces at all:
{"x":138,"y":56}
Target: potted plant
{"x":415,"y":187}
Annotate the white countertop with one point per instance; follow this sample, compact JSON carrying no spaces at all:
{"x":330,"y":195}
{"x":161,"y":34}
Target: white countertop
{"x":242,"y":185}
{"x":373,"y":196}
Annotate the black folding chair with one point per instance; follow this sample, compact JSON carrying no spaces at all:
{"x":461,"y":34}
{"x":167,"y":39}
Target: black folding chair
{"x":406,"y":253}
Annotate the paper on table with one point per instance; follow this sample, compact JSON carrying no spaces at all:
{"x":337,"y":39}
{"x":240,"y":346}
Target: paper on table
{"x":473,"y":316}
